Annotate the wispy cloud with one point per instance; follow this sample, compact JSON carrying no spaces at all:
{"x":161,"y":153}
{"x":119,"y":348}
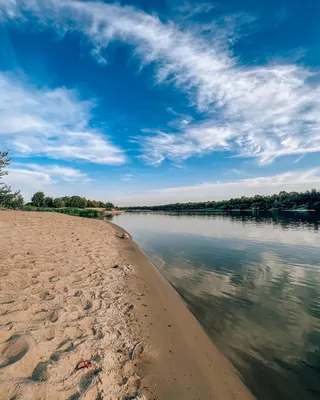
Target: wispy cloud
{"x":262,"y":111}
{"x":299,"y":159}
{"x":51,"y":122}
{"x":127,"y":177}
{"x":33,"y":177}
{"x":289,"y":181}
{"x":52,"y":171}
{"x":237,"y":171}
{"x":189,"y":9}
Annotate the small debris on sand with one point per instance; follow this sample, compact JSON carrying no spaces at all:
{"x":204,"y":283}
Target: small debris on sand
{"x":124,"y":236}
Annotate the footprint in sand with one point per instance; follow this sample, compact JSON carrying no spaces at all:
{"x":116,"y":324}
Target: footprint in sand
{"x":53,"y":279}
{"x":15,"y":348}
{"x":47,"y":296}
{"x":63,"y":347}
{"x":7,"y":298}
{"x":43,"y":315}
{"x":87,"y":306}
{"x":87,"y":380}
{"x":6,"y":327}
{"x":40,"y":372}
{"x":54,"y":317}
{"x":75,"y":396}
{"x":46,"y":334}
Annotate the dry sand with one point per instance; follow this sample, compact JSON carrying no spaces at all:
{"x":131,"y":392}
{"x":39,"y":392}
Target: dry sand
{"x":72,"y":290}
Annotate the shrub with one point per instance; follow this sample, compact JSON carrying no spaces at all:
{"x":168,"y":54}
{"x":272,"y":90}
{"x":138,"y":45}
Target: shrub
{"x":78,"y":212}
{"x":90,"y":213}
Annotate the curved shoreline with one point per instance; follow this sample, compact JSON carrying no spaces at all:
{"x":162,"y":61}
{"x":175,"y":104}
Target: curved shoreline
{"x":71,"y":290}
{"x":185,"y":363}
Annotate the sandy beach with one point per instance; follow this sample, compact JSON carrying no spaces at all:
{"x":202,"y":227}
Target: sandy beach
{"x":73,"y":290}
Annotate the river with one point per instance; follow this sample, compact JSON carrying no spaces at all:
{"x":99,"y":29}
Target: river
{"x":253,"y":281}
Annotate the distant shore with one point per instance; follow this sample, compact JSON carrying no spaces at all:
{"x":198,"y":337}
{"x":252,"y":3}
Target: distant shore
{"x":72,"y":290}
{"x":203,"y":210}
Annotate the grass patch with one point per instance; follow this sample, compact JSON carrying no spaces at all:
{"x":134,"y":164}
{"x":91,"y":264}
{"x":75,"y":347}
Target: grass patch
{"x":78,"y":212}
{"x":90,"y":213}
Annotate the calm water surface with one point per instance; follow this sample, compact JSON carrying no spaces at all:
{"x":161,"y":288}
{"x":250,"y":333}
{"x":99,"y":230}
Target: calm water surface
{"x":253,"y":282}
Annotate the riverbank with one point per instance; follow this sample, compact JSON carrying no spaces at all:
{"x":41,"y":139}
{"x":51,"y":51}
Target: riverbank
{"x":73,"y":290}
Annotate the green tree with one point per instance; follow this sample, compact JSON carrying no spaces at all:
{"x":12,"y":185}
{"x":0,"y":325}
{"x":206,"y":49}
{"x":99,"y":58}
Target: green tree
{"x":93,"y":204}
{"x":76,"y":202}
{"x":109,"y":206}
{"x":7,"y":197}
{"x":16,"y":201}
{"x":49,"y":202}
{"x":58,"y":202}
{"x":282,"y":201}
{"x":38,"y":199}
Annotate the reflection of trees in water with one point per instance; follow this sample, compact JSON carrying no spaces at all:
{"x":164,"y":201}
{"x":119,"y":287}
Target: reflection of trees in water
{"x":256,"y":291}
{"x":265,"y":318}
{"x":286,"y":219}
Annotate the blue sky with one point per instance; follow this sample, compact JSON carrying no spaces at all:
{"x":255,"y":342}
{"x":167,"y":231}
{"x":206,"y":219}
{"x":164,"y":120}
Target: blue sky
{"x":147,"y":102}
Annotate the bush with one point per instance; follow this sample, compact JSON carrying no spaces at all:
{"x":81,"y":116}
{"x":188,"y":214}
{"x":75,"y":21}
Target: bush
{"x":28,"y":208}
{"x":90,"y":213}
{"x":77,"y":212}
{"x":69,"y":211}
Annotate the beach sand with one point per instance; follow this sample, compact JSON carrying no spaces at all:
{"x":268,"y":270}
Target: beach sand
{"x":71,"y":290}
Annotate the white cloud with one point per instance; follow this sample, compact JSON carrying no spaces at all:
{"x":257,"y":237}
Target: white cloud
{"x":51,"y":122}
{"x":196,"y":141}
{"x":289,"y":181}
{"x":255,"y":111}
{"x":64,"y":173}
{"x":30,"y":178}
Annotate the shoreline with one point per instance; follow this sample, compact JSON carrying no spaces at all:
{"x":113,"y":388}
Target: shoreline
{"x":188,"y":364}
{"x":146,"y":342}
{"x":217,"y":211}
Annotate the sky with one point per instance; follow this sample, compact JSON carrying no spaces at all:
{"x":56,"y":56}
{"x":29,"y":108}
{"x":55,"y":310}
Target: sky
{"x":156,"y":101}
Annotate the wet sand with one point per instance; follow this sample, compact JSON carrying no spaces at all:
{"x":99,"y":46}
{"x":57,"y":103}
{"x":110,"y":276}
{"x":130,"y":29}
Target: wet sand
{"x":72,"y":289}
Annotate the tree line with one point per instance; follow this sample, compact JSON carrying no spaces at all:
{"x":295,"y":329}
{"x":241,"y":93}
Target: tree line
{"x":14,"y":200}
{"x":39,"y":199}
{"x":309,"y":200}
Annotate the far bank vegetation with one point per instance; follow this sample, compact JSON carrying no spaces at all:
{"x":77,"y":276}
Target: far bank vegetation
{"x":77,"y":205}
{"x":309,"y":200}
